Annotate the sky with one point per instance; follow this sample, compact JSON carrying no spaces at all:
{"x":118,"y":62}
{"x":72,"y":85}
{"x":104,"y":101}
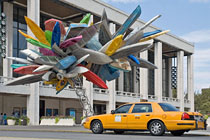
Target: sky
{"x":187,"y":19}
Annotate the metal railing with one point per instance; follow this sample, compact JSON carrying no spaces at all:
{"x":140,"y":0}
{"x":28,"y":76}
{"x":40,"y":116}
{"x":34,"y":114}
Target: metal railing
{"x":152,"y":97}
{"x":169,"y":99}
{"x":127,"y":94}
{"x":100,"y":91}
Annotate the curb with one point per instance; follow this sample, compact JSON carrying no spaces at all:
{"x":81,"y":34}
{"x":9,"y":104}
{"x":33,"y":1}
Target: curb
{"x":76,"y":131}
{"x":38,"y":130}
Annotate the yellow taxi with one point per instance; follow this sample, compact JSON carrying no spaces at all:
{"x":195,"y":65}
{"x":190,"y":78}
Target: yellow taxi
{"x":152,"y":116}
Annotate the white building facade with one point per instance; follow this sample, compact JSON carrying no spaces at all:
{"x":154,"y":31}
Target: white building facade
{"x":165,"y":84}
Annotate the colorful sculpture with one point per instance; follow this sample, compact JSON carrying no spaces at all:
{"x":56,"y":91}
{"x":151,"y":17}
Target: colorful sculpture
{"x":84,"y":49}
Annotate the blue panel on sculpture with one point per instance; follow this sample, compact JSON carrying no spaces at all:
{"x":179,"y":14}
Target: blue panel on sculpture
{"x":131,"y":19}
{"x":66,"y":62}
{"x":133,"y":58}
{"x":56,"y":35}
{"x":151,"y":33}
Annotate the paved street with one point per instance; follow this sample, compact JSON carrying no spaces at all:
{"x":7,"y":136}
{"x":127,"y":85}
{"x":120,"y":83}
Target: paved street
{"x":79,"y":133}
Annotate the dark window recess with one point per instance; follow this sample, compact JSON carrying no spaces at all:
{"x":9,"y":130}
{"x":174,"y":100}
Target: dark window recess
{"x":123,"y":109}
{"x":168,"y":107}
{"x":142,"y":108}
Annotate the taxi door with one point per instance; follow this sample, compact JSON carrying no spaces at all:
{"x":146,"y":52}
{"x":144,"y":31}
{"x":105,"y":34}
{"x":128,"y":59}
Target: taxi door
{"x":118,"y":120}
{"x":140,"y":116}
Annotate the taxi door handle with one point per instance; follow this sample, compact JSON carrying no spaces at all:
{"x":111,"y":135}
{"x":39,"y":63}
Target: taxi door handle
{"x":124,"y":115}
{"x":148,"y":115}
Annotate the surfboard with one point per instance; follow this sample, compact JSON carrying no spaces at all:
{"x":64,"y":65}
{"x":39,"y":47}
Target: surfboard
{"x":87,"y":34}
{"x":151,"y":33}
{"x":95,"y":56}
{"x":131,"y":49}
{"x":75,"y":29}
{"x":47,"y":60}
{"x":48,"y":76}
{"x":137,"y":33}
{"x":113,"y":46}
{"x":47,"y":52}
{"x":107,"y":73}
{"x":104,"y":32}
{"x":49,"y":25}
{"x":66,"y":62}
{"x":21,"y":60}
{"x":134,"y":59}
{"x":121,"y":64}
{"x":94,"y":79}
{"x":127,"y":24}
{"x":48,"y":35}
{"x":144,"y":64}
{"x":58,"y":51}
{"x":26,"y":79}
{"x":61,"y":85}
{"x":86,"y":19}
{"x":77,"y":70}
{"x":28,"y":70}
{"x":26,"y":35}
{"x":51,"y":82}
{"x":56,"y":34}
{"x":70,"y":41}
{"x":78,"y":62}
{"x":14,"y":66}
{"x":37,"y":31}
{"x":154,"y":36}
{"x":43,"y":68}
{"x":37,"y":43}
{"x":29,"y":53}
{"x":94,"y":44}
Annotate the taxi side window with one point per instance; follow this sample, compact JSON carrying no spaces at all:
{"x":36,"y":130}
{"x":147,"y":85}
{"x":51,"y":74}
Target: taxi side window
{"x":142,"y":108}
{"x":123,"y":109}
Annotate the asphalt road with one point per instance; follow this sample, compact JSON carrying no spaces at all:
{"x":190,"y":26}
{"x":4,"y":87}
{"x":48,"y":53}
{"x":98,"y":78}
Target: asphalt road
{"x":32,"y":135}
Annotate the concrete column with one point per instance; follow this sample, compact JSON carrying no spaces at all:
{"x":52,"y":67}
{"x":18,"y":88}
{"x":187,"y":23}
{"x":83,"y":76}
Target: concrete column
{"x":190,"y":80}
{"x":169,"y":77}
{"x":164,"y":77}
{"x":135,"y":82}
{"x":180,"y":78}
{"x":8,"y":10}
{"x":89,"y":90}
{"x":120,"y":81}
{"x":144,"y":77}
{"x":158,"y":71}
{"x":33,"y":12}
{"x":111,"y":85}
{"x":88,"y":85}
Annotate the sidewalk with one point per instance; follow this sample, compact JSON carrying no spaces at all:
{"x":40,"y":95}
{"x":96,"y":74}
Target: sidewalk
{"x":77,"y":128}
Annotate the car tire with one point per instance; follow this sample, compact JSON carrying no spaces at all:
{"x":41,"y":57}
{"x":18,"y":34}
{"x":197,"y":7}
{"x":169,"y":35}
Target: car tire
{"x":97,"y":127}
{"x":156,"y":128}
{"x":118,"y":131}
{"x":177,"y":133}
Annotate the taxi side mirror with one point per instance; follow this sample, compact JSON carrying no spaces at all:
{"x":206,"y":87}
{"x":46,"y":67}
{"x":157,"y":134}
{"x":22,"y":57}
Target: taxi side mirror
{"x":112,"y":112}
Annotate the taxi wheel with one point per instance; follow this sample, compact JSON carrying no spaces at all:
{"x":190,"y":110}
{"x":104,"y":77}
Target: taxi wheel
{"x":177,"y":133}
{"x":118,"y":131}
{"x":97,"y":127}
{"x":157,"y":128}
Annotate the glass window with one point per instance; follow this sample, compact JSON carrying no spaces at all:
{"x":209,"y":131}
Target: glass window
{"x":48,"y":112}
{"x":123,"y":109}
{"x":168,"y":107}
{"x":55,"y":112}
{"x":141,"y":108}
